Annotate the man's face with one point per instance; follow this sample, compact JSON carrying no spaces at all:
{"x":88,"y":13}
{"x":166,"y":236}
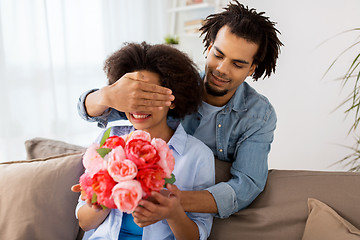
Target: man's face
{"x":229,"y":62}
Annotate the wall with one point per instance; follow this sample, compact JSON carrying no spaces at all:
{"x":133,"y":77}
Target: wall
{"x":309,"y":131}
{"x":309,"y":134}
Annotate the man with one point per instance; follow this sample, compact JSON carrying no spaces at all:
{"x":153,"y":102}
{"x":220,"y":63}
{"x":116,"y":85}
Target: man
{"x":234,"y":120}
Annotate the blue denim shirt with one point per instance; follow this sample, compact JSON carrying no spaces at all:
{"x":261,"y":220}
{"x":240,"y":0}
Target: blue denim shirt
{"x":244,"y":133}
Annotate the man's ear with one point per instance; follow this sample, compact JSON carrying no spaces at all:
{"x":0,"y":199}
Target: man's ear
{"x":208,"y":49}
{"x":252,"y":69}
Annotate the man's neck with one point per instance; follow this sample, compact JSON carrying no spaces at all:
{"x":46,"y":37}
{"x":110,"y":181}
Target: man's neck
{"x":216,"y":100}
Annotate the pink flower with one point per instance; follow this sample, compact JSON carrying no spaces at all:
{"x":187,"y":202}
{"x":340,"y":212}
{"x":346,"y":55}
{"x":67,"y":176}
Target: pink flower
{"x":134,"y":167}
{"x":86,"y":184}
{"x":92,"y":161}
{"x":113,"y":142}
{"x":138,"y":134}
{"x":151,"y":179}
{"x":102,"y":186}
{"x":119,"y":168}
{"x":141,"y":152}
{"x":127,"y":195}
{"x":167,"y":161}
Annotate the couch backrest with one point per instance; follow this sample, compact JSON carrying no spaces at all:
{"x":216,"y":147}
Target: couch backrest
{"x":281,"y":210}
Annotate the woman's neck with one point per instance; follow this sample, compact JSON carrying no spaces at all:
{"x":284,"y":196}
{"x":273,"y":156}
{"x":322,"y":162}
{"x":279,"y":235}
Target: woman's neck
{"x":165,"y":133}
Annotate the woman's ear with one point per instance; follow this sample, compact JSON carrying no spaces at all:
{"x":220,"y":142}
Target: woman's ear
{"x":172,"y":106}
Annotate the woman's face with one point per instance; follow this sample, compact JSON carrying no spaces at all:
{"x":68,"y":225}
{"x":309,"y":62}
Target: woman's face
{"x":150,"y":121}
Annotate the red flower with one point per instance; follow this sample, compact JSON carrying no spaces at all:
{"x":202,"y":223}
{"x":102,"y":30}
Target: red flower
{"x":113,"y":142}
{"x":142,"y":153}
{"x":86,"y":184}
{"x":151,"y":179}
{"x":102,"y":185}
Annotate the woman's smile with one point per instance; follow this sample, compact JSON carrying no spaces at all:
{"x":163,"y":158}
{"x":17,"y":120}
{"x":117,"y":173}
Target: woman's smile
{"x":139,"y":117}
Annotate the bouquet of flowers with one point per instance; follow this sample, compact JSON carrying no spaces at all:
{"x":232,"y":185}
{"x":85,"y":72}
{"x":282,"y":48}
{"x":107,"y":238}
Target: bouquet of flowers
{"x":122,"y":170}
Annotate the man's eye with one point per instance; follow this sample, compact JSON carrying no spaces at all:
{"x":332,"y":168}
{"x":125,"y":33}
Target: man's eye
{"x":237,"y":66}
{"x":217,"y":56}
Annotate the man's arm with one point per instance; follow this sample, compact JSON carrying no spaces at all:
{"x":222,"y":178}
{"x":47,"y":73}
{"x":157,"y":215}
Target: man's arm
{"x":248,"y":170}
{"x":198,"y":201}
{"x":248,"y":175}
{"x":131,"y":92}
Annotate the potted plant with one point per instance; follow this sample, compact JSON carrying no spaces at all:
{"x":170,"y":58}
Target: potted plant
{"x":171,"y":39}
{"x":352,"y":76}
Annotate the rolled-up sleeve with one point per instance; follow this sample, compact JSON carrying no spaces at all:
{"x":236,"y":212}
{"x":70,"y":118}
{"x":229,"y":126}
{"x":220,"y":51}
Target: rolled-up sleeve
{"x":78,"y":206}
{"x":225,"y":198}
{"x":102,"y":120}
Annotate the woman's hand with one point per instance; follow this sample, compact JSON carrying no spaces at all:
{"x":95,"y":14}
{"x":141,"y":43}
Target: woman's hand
{"x":77,"y":188}
{"x":169,"y":208}
{"x":163,"y":205}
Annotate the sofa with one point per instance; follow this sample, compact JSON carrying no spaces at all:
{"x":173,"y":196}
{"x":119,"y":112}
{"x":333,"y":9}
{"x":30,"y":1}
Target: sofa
{"x":36,"y":201}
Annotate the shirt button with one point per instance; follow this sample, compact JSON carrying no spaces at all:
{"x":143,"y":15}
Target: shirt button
{"x":219,"y":125}
{"x":220,"y":150}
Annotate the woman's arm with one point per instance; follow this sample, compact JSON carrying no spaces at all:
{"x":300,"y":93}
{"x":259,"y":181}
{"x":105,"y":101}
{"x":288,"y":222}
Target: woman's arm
{"x":91,"y":217}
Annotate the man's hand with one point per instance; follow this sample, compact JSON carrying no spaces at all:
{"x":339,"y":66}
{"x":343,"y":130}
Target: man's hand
{"x":164,"y":205}
{"x":130,"y":93}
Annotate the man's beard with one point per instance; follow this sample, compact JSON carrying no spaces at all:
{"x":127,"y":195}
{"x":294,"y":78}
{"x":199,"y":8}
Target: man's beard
{"x":212,"y":91}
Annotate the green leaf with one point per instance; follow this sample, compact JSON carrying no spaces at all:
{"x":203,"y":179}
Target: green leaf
{"x":94,"y":198}
{"x":103,"y":207}
{"x":105,"y":136}
{"x":103,"y":151}
{"x":170,"y":180}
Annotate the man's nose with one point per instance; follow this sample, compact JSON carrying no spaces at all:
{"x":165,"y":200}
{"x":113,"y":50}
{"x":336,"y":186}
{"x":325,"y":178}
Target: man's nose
{"x":223,"y":67}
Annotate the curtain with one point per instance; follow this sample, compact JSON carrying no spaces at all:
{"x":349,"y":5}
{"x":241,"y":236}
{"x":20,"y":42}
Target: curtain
{"x":53,"y":50}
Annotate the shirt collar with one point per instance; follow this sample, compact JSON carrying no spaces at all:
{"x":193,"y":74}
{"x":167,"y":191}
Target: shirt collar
{"x":237,"y":102}
{"x":178,"y":140}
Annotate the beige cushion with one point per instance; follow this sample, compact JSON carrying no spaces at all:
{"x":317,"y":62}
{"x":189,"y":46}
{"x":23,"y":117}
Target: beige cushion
{"x":43,"y":147}
{"x":280,"y":212}
{"x":36,"y":201}
{"x":324,"y":223}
